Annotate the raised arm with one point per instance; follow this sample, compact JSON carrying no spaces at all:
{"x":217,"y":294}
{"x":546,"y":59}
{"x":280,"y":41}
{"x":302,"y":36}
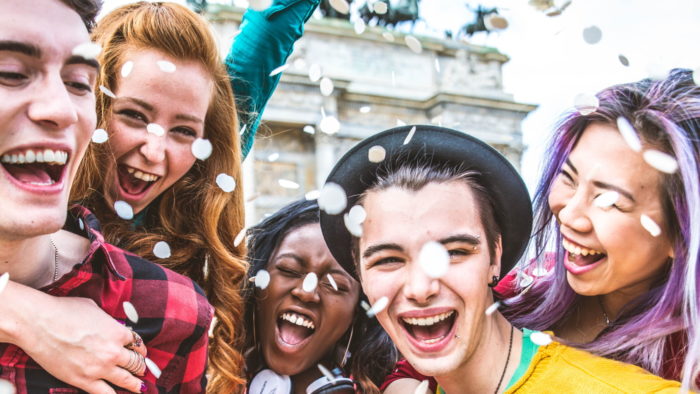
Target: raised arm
{"x":265,"y":42}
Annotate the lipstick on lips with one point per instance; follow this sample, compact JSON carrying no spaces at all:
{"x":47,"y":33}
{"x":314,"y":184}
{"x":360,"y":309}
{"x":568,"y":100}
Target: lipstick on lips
{"x":580,"y":259}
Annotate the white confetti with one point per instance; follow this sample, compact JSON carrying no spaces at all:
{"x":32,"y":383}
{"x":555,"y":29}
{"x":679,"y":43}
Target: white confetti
{"x":629,"y":134}
{"x":312,"y":195}
{"x":212,"y":325}
{"x":592,"y":35}
{"x":156,"y":129}
{"x":239,"y":237}
{"x":434,"y":259}
{"x":329,"y":125}
{"x":541,"y":339}
{"x":540,"y":271}
{"x":525,"y":280}
{"x":326,"y":373}
{"x":315,"y":72}
{"x":299,"y":63}
{"x":166,"y":66}
{"x":495,"y":22}
{"x":152,"y":367}
{"x":326,"y":86}
{"x":107,"y":92}
{"x":606,"y":200}
{"x":493,"y":308}
{"x":388,"y":36}
{"x":310,"y":282}
{"x":308,"y":129}
{"x":364,"y":305}
{"x":201,"y":148}
{"x":6,"y":387}
{"x":99,"y":136}
{"x":696,"y":76}
{"x":279,"y":70}
{"x":365,"y":109}
{"x":359,"y":26}
{"x":586,"y":103}
{"x":410,"y":135}
{"x":623,"y":60}
{"x":332,"y":282}
{"x":423,"y":388}
{"x":341,"y":6}
{"x":161,"y":250}
{"x":130,"y":312}
{"x":437,"y":120}
{"x":273,"y":156}
{"x":661,"y":161}
{"x":4,"y":278}
{"x":226,"y":182}
{"x":332,"y":199}
{"x":287,"y":184}
{"x":127,"y":68}
{"x":243,"y":129}
{"x":87,"y":50}
{"x":123,"y":210}
{"x":650,"y":225}
{"x":437,"y":65}
{"x":400,"y":123}
{"x":262,"y":279}
{"x":80,"y":224}
{"x":376,"y":154}
{"x":378,"y":307}
{"x":380,"y":8}
{"x":354,"y":227}
{"x":357,"y":214}
{"x":413,"y":44}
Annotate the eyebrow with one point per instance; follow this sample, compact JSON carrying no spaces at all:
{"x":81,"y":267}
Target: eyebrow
{"x":292,"y":256}
{"x":34,"y":51}
{"x":466,"y":238}
{"x":81,"y":60}
{"x":149,"y":107}
{"x":571,"y":165}
{"x":380,"y":247}
{"x":605,"y":185}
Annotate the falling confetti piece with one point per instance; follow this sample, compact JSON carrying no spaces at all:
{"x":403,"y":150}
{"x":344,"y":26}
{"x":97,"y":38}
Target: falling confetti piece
{"x":365,"y":109}
{"x":80,"y":224}
{"x":423,"y":388}
{"x":592,"y":35}
{"x":107,"y":92}
{"x":315,"y":72}
{"x":326,"y":86}
{"x":525,"y":280}
{"x":357,"y":213}
{"x":262,"y":279}
{"x":364,"y":305}
{"x":312,"y":195}
{"x":661,"y":161}
{"x":629,"y":134}
{"x":413,"y":44}
{"x":4,"y":278}
{"x":329,"y":125}
{"x":341,"y":6}
{"x":380,"y":8}
{"x":359,"y":26}
{"x":166,"y":66}
{"x":212,"y":326}
{"x":287,"y":184}
{"x":308,"y":129}
{"x":623,"y":60}
{"x":354,"y":227}
{"x":127,"y":68}
{"x":99,"y":136}
{"x":310,"y":282}
{"x":495,"y":22}
{"x":650,"y":225}
{"x":161,"y":250}
{"x":332,"y":282}
{"x":696,"y":76}
{"x":400,"y":123}
{"x":378,"y":307}
{"x":279,"y":70}
{"x":410,"y":135}
{"x":130,"y":312}
{"x":434,"y":259}
{"x":376,"y":154}
{"x":87,"y":50}
{"x":326,"y":373}
{"x":239,"y":237}
{"x":541,"y":339}
{"x":243,"y":129}
{"x":226,"y":182}
{"x":437,"y":65}
{"x":273,"y":156}
{"x":6,"y":387}
{"x":299,"y":63}
{"x":123,"y":210}
{"x":606,"y":200}
{"x":586,"y":104}
{"x":332,"y":199}
{"x":152,"y":367}
{"x":388,"y":36}
{"x":437,"y":120}
{"x":156,"y":129}
{"x":202,"y":148}
{"x":252,"y":198}
{"x":493,"y":308}
{"x":540,"y":271}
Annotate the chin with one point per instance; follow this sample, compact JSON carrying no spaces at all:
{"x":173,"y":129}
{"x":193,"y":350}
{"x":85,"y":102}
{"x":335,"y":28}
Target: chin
{"x":435,"y":366}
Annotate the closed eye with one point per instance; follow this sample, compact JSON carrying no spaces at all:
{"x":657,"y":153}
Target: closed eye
{"x":12,"y":79}
{"x":185,"y":131}
{"x":134,"y":115}
{"x":288,"y":272}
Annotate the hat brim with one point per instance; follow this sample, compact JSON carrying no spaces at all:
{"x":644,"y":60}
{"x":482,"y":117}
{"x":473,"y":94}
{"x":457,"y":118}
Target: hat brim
{"x":355,"y":173}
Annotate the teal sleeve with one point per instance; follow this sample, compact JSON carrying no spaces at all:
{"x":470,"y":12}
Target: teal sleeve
{"x":264,"y":43}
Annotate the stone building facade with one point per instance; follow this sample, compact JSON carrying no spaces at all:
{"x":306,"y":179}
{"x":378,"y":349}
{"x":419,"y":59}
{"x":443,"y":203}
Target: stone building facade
{"x":379,"y":82}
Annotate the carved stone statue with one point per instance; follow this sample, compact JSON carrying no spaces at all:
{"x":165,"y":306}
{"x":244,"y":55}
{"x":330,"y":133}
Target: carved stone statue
{"x":404,"y":11}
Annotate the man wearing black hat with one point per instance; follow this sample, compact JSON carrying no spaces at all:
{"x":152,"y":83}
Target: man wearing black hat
{"x":446,"y":216}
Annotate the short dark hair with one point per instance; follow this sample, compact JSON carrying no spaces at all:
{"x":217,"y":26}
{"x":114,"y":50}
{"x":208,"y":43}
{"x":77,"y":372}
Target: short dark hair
{"x":87,"y":9}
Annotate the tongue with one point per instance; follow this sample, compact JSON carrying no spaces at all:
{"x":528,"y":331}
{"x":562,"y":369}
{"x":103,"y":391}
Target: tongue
{"x":582,"y":261}
{"x":130,"y":184}
{"x":293,"y":334}
{"x":436,"y":330}
{"x":29,"y":173}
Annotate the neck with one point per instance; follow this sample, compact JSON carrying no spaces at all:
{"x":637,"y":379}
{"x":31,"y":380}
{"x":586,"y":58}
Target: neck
{"x":302,"y":380}
{"x":29,"y":261}
{"x":481,"y":372}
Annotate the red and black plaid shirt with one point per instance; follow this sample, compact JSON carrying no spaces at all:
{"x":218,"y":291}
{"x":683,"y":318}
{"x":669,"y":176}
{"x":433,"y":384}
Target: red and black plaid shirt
{"x":174,"y":315}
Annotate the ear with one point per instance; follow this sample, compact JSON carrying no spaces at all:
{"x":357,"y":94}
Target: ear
{"x":495,"y":268}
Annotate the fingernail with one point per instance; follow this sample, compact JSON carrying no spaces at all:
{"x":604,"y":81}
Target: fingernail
{"x":143,"y":387}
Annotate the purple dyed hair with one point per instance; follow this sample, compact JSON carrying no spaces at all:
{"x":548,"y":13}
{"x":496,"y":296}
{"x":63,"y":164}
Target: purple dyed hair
{"x":666,"y":114}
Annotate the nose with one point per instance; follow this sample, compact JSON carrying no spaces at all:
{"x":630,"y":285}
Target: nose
{"x":419,"y":287}
{"x":53,"y":106}
{"x":153,"y":148}
{"x":310,"y":297}
{"x":573,"y":213}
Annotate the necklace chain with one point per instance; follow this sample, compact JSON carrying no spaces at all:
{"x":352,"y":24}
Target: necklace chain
{"x":55,"y":259}
{"x":505,"y":367}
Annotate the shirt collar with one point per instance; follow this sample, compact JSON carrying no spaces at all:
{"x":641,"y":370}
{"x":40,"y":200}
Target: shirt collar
{"x":83,"y":222}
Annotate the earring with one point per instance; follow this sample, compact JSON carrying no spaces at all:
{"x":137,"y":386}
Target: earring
{"x":494,"y":281}
{"x":347,"y":348}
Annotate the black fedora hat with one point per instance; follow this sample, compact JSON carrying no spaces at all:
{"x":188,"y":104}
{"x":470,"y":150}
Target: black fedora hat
{"x":355,"y":173}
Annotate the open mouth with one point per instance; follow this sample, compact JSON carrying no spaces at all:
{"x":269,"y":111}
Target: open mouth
{"x":135,"y":182}
{"x":294,"y":328}
{"x":431,"y":329}
{"x":35,"y":167}
{"x":581,"y":256}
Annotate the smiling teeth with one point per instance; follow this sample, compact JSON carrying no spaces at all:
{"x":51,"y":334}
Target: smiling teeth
{"x":299,"y":320}
{"x":29,"y":156}
{"x":142,"y":175}
{"x":427,"y":321}
{"x":574,"y":249}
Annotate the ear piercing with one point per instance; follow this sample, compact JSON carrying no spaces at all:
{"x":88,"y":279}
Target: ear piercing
{"x":494,"y":281}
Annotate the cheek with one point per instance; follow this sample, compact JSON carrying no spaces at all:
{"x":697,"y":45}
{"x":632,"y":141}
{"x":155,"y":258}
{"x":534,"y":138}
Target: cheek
{"x":557,"y":197}
{"x":180,"y":158}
